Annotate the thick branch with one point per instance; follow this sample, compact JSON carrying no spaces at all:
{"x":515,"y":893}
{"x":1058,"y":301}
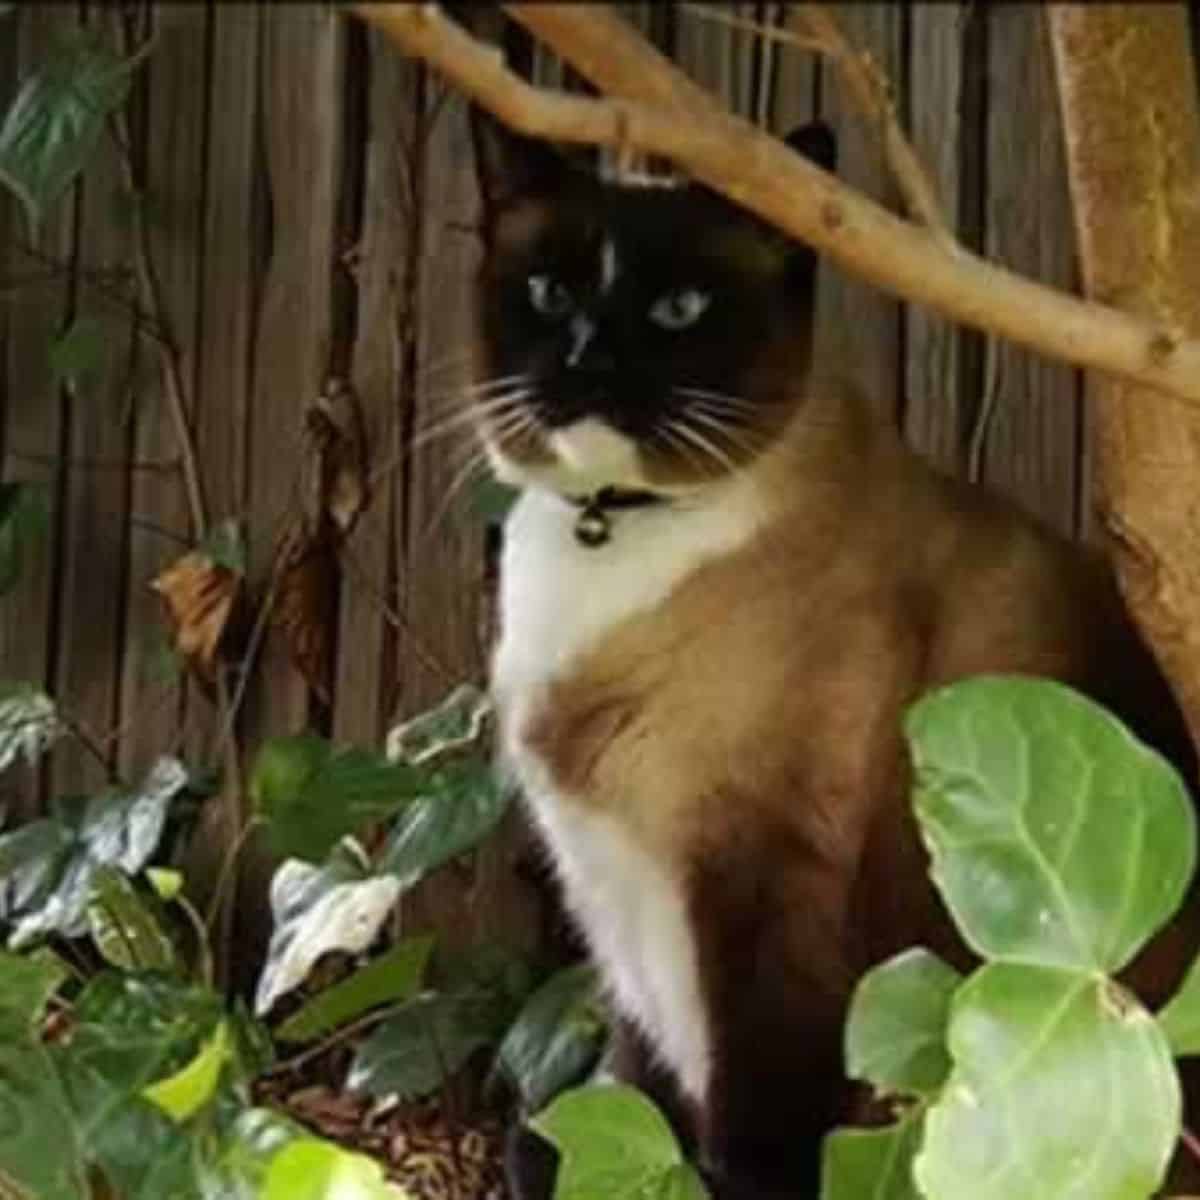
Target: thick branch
{"x":758,"y":172}
{"x":1133,"y":153}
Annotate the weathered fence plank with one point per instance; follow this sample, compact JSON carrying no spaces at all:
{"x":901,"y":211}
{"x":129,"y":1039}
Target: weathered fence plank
{"x":96,"y":499}
{"x":176,"y":95}
{"x":1033,"y":436}
{"x":856,"y":323}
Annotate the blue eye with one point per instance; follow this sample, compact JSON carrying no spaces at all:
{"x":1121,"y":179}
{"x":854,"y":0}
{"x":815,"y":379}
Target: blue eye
{"x":548,"y":296}
{"x":681,"y":308}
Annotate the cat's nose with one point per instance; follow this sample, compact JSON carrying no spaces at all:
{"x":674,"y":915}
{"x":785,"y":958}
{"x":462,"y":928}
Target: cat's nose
{"x":585,"y":352}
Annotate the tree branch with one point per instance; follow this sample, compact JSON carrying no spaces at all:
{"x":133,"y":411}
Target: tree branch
{"x":657,"y":110}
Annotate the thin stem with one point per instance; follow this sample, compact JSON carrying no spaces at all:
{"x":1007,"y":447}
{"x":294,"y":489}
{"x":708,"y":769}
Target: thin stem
{"x":201,"y":931}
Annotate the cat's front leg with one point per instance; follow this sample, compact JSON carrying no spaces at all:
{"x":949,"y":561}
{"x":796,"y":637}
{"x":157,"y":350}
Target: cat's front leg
{"x":776,"y":987}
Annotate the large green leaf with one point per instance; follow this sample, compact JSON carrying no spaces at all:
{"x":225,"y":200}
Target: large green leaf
{"x":1180,"y":1019}
{"x":125,"y":929}
{"x":339,"y":906}
{"x":238,"y":1170}
{"x":1063,"y":1088}
{"x":555,"y":1039}
{"x":313,"y":795}
{"x":392,"y":977}
{"x":142,"y":1154}
{"x":189,"y":1089}
{"x":1057,"y":838}
{"x":615,"y":1144}
{"x":24,"y":522}
{"x":309,"y":1169}
{"x":459,"y":805}
{"x":27,"y":982}
{"x":427,"y":1040}
{"x":41,"y":1156}
{"x":48,"y":868}
{"x":136,"y":1029}
{"x":29,"y":722}
{"x":58,"y":116}
{"x":896,"y":1030}
{"x":872,"y":1164}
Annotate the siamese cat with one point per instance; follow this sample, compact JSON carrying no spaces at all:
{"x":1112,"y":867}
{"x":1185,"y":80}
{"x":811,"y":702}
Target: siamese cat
{"x":723,"y":581}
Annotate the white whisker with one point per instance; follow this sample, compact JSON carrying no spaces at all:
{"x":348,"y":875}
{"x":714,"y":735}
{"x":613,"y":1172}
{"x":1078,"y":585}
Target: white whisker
{"x":705,"y":444}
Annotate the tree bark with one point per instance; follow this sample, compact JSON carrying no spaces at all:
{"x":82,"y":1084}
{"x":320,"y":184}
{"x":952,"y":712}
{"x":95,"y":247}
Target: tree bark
{"x":657,"y":110}
{"x":1132,"y":119}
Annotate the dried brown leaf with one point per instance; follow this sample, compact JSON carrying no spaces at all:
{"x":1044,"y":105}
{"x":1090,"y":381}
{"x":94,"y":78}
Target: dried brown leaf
{"x":338,"y":474}
{"x":305,"y":601}
{"x":199,"y":597}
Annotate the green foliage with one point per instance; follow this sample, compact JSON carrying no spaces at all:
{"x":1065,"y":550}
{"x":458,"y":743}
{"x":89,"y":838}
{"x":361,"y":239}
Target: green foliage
{"x":1060,"y":845}
{"x":614,"y":1143}
{"x":313,"y":795}
{"x":125,"y":929}
{"x":394,"y":976}
{"x":556,"y":1038}
{"x":52,"y":128}
{"x":308,"y":1169}
{"x":26,"y":984}
{"x":48,"y":867}
{"x":24,"y":523}
{"x":28,"y":723}
{"x":1036,"y":804}
{"x":896,"y":1030}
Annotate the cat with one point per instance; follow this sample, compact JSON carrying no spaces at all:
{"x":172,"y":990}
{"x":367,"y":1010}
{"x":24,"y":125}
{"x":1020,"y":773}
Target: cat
{"x":723,"y":581}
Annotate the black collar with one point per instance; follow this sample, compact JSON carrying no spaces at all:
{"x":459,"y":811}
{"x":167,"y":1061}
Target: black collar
{"x":593,"y":526}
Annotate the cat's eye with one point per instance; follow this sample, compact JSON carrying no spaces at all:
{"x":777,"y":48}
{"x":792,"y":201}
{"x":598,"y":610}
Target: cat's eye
{"x":548,"y":296}
{"x":679,"y":309}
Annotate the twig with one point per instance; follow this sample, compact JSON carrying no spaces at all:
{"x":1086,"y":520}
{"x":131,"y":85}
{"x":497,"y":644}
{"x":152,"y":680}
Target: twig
{"x":334,"y":1039}
{"x":168,"y":349}
{"x":769,"y":33}
{"x":871,"y":93}
{"x":227,"y":865}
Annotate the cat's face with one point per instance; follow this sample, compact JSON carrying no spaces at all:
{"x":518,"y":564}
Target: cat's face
{"x":640,"y":337}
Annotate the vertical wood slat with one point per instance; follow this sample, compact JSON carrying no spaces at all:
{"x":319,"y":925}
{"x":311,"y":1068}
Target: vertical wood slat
{"x":367,"y":646}
{"x":857,"y":326}
{"x":1033,"y":435}
{"x":302,"y":71}
{"x":176,"y":98}
{"x":35,"y":313}
{"x":721,"y":59}
{"x":91,"y":588}
{"x":936,"y":413}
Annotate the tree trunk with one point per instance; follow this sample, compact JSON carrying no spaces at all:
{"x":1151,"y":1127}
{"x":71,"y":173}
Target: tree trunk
{"x":1132,"y":120}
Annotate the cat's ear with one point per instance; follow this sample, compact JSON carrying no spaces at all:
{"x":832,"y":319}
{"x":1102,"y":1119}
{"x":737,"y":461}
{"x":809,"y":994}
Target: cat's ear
{"x":817,"y":142}
{"x":511,"y":167}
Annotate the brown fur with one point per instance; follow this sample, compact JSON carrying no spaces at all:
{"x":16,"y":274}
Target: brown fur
{"x":748,"y":732}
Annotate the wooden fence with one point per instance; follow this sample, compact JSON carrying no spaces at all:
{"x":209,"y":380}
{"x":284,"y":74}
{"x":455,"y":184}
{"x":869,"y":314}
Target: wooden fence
{"x":309,"y":201}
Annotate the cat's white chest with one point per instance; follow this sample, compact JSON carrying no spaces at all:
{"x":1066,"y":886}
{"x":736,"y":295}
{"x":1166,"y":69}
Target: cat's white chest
{"x":558,"y":599}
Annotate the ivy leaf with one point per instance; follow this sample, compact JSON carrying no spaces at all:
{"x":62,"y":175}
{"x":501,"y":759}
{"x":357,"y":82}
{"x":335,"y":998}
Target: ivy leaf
{"x":189,"y":1089}
{"x":339,"y":906}
{"x":556,"y":1038}
{"x":48,"y":867}
{"x":58,"y":116}
{"x":29,"y":723}
{"x":313,"y":795}
{"x":426,"y":1042}
{"x":41,"y":1155}
{"x":26,"y":984}
{"x":167,"y":883}
{"x":134,"y":1030}
{"x":614,"y":1143}
{"x":1063,"y":1088}
{"x":1180,"y":1019}
{"x":454,"y":724}
{"x":896,"y":1029}
{"x":394,"y":976}
{"x":459,"y":805}
{"x":79,"y":353}
{"x":24,"y":524}
{"x":124,"y":928}
{"x":875,"y":1163}
{"x":1057,"y":838}
{"x":239,"y":1169}
{"x":142,"y":1154}
{"x":309,"y":1169}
